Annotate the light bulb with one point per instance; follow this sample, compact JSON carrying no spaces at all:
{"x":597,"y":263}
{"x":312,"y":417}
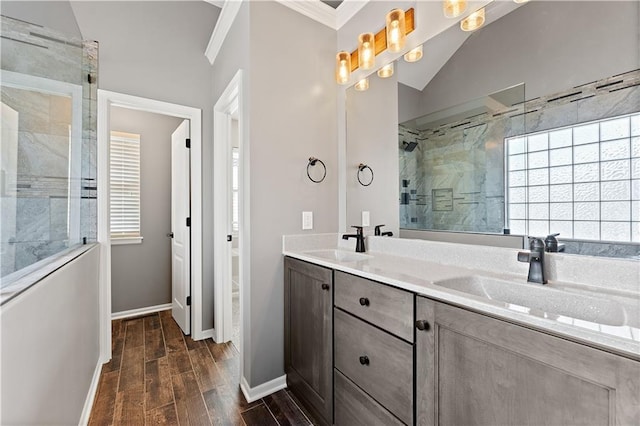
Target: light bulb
{"x":473,"y":21}
{"x":343,"y":67}
{"x":396,"y":30}
{"x":454,"y":8}
{"x":413,"y":55}
{"x":386,"y":71}
{"x":366,"y":51}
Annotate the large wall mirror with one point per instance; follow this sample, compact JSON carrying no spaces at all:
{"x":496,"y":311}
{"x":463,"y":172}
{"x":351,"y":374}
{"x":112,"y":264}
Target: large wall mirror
{"x":530,"y":127}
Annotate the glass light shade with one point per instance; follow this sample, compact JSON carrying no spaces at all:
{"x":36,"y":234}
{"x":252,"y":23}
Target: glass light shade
{"x":396,"y":30}
{"x":366,"y":51}
{"x":414,"y":55}
{"x":454,"y":8}
{"x":386,"y":71}
{"x":343,"y":67}
{"x":362,"y":85}
{"x":473,"y":21}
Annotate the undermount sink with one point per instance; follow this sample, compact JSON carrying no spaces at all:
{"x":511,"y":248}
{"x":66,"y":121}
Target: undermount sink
{"x":544,"y":301}
{"x":338,"y":255}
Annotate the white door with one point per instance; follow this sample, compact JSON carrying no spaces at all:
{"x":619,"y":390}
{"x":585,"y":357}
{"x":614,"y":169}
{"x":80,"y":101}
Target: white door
{"x":181,"y":240}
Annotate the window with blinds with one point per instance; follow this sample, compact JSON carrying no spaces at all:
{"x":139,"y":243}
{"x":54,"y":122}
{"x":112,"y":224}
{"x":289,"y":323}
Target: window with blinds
{"x":125,"y":186}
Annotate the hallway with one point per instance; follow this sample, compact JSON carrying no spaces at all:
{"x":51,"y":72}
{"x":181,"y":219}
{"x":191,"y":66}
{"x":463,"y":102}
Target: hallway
{"x":159,"y":376}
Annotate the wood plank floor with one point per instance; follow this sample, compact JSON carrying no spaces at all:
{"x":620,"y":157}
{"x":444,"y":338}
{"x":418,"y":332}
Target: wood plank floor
{"x":159,"y":376}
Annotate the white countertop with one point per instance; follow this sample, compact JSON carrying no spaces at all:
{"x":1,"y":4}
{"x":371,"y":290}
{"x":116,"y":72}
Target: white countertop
{"x":411,"y":272}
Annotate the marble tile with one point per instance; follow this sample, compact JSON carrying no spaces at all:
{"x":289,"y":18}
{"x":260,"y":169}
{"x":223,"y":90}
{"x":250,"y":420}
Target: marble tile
{"x":8,"y":257}
{"x":8,"y":215}
{"x":43,"y":155}
{"x":33,"y":219}
{"x":58,"y":212}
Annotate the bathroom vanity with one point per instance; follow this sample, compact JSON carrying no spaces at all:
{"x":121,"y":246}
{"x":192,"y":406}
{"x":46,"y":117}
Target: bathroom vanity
{"x":389,"y":338}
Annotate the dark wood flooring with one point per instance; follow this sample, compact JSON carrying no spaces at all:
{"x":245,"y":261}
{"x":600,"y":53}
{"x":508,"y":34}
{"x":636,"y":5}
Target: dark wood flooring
{"x":159,"y":376}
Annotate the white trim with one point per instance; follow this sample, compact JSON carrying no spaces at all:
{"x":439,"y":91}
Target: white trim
{"x":210,"y":333}
{"x":217,"y":3}
{"x":107,"y":99}
{"x":91,"y":395}
{"x":316,"y":10}
{"x":140,"y":311}
{"x":125,"y":241}
{"x":228,"y":14}
{"x":347,"y":10}
{"x":231,"y":103}
{"x":260,"y":391}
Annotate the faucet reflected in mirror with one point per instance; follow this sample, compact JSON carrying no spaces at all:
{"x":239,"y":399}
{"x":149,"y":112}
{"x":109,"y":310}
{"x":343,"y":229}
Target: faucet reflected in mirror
{"x":557,"y":151}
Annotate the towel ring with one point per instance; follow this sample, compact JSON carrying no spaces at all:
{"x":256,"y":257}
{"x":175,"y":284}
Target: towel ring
{"x":361,"y":168}
{"x":312,"y":162}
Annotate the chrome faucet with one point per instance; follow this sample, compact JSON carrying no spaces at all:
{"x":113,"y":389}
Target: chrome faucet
{"x":535,"y":258}
{"x":359,"y":236}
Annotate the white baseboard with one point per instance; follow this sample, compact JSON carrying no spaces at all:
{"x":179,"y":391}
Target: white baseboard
{"x":208,"y":333}
{"x":260,"y":391}
{"x":91,"y":395}
{"x":140,"y":311}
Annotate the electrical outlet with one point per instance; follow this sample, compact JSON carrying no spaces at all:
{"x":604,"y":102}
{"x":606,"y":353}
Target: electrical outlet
{"x":365,"y":218}
{"x":307,"y":220}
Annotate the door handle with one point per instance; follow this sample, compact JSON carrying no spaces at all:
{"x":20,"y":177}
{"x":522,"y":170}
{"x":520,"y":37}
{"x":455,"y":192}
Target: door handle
{"x":170,"y":235}
{"x":229,"y":238}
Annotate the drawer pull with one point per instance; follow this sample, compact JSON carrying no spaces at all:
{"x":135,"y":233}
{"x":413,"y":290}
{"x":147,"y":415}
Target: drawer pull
{"x":364,"y":301}
{"x":364,"y":360}
{"x":422,"y":325}
{"x":325,"y":286}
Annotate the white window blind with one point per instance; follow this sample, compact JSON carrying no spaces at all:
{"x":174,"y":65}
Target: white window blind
{"x":125,"y":185}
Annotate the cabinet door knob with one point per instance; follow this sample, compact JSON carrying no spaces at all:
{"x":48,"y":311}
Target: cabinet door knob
{"x":364,"y":360}
{"x":325,"y":286}
{"x":422,"y":325}
{"x":364,"y":301}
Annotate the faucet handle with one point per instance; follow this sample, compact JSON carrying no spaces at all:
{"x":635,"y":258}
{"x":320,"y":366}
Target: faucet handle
{"x":377,"y":229}
{"x":536,"y":244}
{"x":359,"y":229}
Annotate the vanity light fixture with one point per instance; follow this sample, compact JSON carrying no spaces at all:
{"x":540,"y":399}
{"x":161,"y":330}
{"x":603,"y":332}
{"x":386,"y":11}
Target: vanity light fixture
{"x":362,"y":85}
{"x":366,"y":51}
{"x":396,"y":30}
{"x":386,"y":71}
{"x":520,"y":1}
{"x":414,"y":55}
{"x":454,"y":8}
{"x":343,"y":67}
{"x":473,"y":21}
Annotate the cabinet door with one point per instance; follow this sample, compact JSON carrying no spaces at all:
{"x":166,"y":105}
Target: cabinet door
{"x":308,"y":340}
{"x":477,"y":370}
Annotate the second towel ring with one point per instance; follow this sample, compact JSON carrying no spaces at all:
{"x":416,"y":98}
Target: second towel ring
{"x":361,"y":168}
{"x":312,"y":162}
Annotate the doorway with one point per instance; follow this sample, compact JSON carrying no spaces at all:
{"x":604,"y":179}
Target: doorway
{"x":191,"y":317}
{"x":231,"y":218}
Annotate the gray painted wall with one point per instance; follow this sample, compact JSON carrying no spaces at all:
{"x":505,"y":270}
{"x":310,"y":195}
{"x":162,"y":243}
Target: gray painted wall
{"x":50,"y":346}
{"x":141,"y":273}
{"x":156,"y":50}
{"x":56,"y":15}
{"x":293,"y":117}
{"x":547,"y":45}
{"x":372,"y":139}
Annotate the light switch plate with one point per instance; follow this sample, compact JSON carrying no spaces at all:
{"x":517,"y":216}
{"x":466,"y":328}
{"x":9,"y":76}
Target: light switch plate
{"x":365,"y":218}
{"x":307,"y":220}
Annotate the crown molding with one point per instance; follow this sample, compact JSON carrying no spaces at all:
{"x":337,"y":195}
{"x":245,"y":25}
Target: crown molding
{"x":347,"y":10}
{"x":228,"y":14}
{"x":313,"y":9}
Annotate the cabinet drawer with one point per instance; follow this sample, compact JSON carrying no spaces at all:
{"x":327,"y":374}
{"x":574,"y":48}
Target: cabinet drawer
{"x":387,"y":371}
{"x":354,"y":407}
{"x":386,"y":307}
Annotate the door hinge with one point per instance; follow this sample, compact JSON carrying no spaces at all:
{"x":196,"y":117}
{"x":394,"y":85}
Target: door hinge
{"x":188,"y":142}
{"x":188,"y":300}
{"x":188,"y":221}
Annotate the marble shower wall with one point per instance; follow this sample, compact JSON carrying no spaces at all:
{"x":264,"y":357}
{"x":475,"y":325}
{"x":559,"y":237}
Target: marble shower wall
{"x":455,"y":176}
{"x":34,"y":193}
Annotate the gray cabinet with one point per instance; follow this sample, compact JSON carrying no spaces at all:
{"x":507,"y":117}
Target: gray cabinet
{"x":476,"y":370}
{"x":373,"y":337}
{"x":308,"y":336}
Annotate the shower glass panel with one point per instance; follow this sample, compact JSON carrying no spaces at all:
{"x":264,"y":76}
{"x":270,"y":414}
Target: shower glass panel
{"x":47,"y":151}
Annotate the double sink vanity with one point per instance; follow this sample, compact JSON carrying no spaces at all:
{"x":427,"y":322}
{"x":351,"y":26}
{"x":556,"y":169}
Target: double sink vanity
{"x":420,"y":332}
